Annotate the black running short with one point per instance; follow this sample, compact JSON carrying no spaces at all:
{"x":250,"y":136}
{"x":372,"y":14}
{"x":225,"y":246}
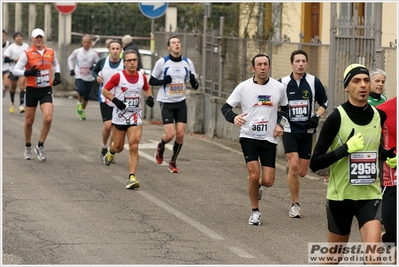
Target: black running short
{"x":36,"y":95}
{"x":262,"y":150}
{"x":301,"y":143}
{"x":84,"y":88}
{"x":174,"y":112}
{"x":106,"y":111}
{"x":340,"y":214}
{"x":123,"y":128}
{"x":12,"y":77}
{"x":389,"y":203}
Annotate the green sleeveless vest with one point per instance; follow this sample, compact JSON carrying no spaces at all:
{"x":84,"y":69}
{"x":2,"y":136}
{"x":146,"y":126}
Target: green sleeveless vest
{"x":355,"y":176}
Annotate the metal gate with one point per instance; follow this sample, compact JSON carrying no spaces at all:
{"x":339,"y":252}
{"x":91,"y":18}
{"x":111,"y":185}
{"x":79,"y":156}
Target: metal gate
{"x":353,"y":40}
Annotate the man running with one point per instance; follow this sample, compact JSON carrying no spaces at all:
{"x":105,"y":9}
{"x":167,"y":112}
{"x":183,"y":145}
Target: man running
{"x":102,"y":73}
{"x":38,"y":64}
{"x":85,"y":59}
{"x":11,"y":55}
{"x":261,"y":124}
{"x":124,"y":90}
{"x":170,"y":74}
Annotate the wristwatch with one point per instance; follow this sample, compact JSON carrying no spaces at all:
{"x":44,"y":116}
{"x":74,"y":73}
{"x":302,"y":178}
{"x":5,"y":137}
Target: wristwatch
{"x":317,"y":115}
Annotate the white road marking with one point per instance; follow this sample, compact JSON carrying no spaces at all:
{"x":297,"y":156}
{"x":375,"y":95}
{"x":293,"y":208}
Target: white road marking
{"x":240,"y":252}
{"x":181,"y":216}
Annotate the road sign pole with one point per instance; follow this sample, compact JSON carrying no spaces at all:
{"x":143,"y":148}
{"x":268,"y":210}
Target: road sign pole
{"x":64,"y":55}
{"x":152,"y":42}
{"x":64,"y":9}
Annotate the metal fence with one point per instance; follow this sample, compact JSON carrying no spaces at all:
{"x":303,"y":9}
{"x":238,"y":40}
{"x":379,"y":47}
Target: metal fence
{"x":223,"y":62}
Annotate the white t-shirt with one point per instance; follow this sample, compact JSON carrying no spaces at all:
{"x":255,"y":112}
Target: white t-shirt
{"x":15,"y":51}
{"x":179,"y":71}
{"x":6,"y":66}
{"x":261,"y":102}
{"x":85,"y":59}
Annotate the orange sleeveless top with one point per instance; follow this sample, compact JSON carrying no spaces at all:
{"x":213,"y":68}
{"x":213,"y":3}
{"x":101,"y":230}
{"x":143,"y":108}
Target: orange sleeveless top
{"x":43,"y":63}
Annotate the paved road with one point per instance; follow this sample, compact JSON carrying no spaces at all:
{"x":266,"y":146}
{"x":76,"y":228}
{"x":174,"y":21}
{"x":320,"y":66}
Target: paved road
{"x":72,"y":209}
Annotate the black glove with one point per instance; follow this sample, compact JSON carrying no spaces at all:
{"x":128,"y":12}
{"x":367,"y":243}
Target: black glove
{"x":119,"y":103}
{"x":32,"y":72}
{"x":57,"y":79}
{"x":193,"y":82}
{"x":388,"y":154}
{"x":150,"y":101}
{"x":72,"y":72}
{"x":167,"y":79}
{"x":313,"y":122}
{"x":8,"y":60}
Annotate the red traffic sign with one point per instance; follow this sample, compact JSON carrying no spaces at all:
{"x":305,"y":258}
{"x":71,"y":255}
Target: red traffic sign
{"x":65,"y":7}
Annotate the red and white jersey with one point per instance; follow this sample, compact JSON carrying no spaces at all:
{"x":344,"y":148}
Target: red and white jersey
{"x":128,"y":88}
{"x":389,"y":139}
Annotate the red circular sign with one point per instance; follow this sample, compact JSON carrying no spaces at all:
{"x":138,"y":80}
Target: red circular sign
{"x":65,"y":7}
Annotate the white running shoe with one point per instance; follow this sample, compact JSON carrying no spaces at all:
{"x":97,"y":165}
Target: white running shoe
{"x":255,"y":218}
{"x":40,"y":153}
{"x":28,"y":153}
{"x":295,"y":211}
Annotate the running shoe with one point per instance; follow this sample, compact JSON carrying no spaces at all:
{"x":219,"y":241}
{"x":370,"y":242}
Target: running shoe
{"x":12,"y":109}
{"x":159,"y":154}
{"x":108,"y":158}
{"x":40,"y":153}
{"x":79,"y":108}
{"x":82,"y":115}
{"x":103,"y":152}
{"x":28,"y":153}
{"x":295,"y":211}
{"x":172,"y":167}
{"x":21,"y":109}
{"x":260,"y":192}
{"x":132,"y":182}
{"x":255,"y":218}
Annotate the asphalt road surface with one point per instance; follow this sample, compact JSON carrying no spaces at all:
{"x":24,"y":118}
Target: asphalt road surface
{"x":72,"y":209}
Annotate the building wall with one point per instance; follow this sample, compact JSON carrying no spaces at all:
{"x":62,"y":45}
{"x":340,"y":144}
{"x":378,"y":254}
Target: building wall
{"x":389,"y":23}
{"x":292,"y":21}
{"x":325,"y":23}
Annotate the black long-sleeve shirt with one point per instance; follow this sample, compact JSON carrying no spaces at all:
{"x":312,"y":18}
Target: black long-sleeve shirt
{"x":359,"y":115}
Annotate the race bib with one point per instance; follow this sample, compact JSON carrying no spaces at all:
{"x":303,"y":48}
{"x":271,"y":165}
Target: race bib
{"x":43,"y":79}
{"x":258,"y":128}
{"x":299,"y":110}
{"x":362,"y":168}
{"x":84,"y":70}
{"x":176,"y":89}
{"x":132,"y":101}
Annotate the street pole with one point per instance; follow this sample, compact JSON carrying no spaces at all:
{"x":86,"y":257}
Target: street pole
{"x":64,"y":56}
{"x":204,"y":55}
